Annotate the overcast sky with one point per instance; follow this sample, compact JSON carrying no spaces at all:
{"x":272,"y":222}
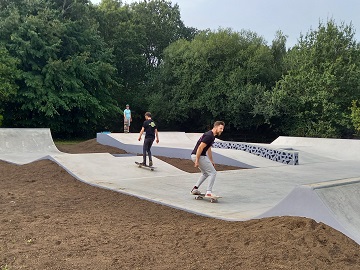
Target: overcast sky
{"x":265,"y":17}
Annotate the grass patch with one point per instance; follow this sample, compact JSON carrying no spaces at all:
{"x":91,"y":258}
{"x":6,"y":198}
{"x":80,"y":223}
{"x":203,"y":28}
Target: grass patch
{"x":68,"y":142}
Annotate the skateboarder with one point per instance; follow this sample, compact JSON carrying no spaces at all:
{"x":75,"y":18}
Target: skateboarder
{"x":127,"y":119}
{"x":202,"y":157}
{"x":149,"y":127}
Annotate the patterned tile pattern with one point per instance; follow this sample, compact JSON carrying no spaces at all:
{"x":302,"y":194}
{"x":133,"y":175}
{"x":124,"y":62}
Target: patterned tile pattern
{"x":282,"y":156}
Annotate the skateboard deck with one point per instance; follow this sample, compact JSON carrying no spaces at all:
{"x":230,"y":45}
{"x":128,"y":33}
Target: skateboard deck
{"x":213,"y":199}
{"x":145,"y":166}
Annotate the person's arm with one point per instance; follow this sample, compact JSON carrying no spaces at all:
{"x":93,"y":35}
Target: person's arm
{"x":130,"y":117}
{"x":198,"y":153}
{"x":209,"y":153}
{"x":141,"y":133}
{"x":157,"y":136}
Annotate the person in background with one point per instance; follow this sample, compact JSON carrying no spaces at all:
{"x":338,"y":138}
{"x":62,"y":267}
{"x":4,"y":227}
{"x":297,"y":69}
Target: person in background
{"x":127,"y":119}
{"x":150,"y":129}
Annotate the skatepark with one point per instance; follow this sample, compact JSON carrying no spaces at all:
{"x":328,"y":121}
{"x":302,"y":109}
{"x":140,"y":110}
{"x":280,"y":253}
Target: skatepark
{"x":323,"y":183}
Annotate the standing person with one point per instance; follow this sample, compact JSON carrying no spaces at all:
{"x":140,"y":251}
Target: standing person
{"x":150,"y":129}
{"x":205,"y":162}
{"x":127,"y":119}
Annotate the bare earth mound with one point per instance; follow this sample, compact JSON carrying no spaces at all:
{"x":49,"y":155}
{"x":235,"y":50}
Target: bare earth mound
{"x":49,"y":220}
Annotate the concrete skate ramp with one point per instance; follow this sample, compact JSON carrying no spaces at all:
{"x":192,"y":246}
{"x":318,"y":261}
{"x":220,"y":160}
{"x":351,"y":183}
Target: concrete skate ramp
{"x":321,"y":149}
{"x":105,"y":170}
{"x":24,"y":145}
{"x":180,"y":145}
{"x":335,"y":203}
{"x":271,"y":190}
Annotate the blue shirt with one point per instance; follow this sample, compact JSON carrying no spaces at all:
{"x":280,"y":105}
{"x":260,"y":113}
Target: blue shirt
{"x":127,"y":113}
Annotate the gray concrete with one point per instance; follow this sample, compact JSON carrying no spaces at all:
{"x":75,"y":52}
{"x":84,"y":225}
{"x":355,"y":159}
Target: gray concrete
{"x":24,"y":145}
{"x":336,"y":203}
{"x":180,"y":145}
{"x":321,"y":187}
{"x":320,"y":149}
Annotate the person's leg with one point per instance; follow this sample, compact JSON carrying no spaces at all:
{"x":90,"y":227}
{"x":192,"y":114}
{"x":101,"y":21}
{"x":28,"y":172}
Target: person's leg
{"x":126,"y":125}
{"x":149,"y":144}
{"x":144,"y":151}
{"x":207,"y":168}
{"x":204,"y":173}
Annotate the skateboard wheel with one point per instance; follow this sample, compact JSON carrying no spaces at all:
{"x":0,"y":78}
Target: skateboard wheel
{"x":213,"y":200}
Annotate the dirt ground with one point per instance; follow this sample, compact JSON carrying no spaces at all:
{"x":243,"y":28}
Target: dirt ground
{"x":50,"y":220}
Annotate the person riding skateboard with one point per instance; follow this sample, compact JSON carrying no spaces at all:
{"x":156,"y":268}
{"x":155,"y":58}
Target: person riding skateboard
{"x":202,"y":157}
{"x":150,"y":129}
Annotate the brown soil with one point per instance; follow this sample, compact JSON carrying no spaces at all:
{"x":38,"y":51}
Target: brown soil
{"x":49,"y":220}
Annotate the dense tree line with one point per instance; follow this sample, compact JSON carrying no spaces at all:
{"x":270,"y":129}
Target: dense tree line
{"x":72,"y":66}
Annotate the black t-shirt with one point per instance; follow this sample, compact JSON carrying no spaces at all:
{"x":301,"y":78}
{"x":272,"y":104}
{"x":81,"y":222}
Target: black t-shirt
{"x":208,"y":138}
{"x":149,"y":127}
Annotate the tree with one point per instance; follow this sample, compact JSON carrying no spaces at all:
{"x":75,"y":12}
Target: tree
{"x":355,"y":117}
{"x":314,"y":97}
{"x":138,"y":34}
{"x":162,"y":25}
{"x":127,"y":40}
{"x":8,"y":75}
{"x":66,"y":77}
{"x":278,"y":50}
{"x":217,"y":75}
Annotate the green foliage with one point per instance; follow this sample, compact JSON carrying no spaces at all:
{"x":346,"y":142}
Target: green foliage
{"x":355,"y":117}
{"x":278,"y":50}
{"x":138,"y":34}
{"x":69,"y":65}
{"x":162,"y":25}
{"x":66,"y":79}
{"x":127,"y":40}
{"x":217,"y":75}
{"x":313,"y":98}
{"x":8,"y":75}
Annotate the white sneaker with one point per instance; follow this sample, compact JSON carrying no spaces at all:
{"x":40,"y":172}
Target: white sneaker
{"x":195,"y":191}
{"x":210,"y":195}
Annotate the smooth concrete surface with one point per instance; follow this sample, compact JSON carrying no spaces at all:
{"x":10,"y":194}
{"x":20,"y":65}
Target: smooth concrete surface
{"x":24,"y":145}
{"x":325,"y":189}
{"x":325,"y":149}
{"x":180,"y":145}
{"x":334,"y":203}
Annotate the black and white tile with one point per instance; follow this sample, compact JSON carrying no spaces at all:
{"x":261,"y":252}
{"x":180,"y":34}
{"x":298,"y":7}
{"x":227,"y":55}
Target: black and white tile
{"x":282,"y":156}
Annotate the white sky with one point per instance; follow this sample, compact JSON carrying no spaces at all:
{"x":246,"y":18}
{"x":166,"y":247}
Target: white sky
{"x":265,"y":17}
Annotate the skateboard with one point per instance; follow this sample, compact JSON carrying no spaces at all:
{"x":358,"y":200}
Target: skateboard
{"x":145,"y":166}
{"x":213,"y":199}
